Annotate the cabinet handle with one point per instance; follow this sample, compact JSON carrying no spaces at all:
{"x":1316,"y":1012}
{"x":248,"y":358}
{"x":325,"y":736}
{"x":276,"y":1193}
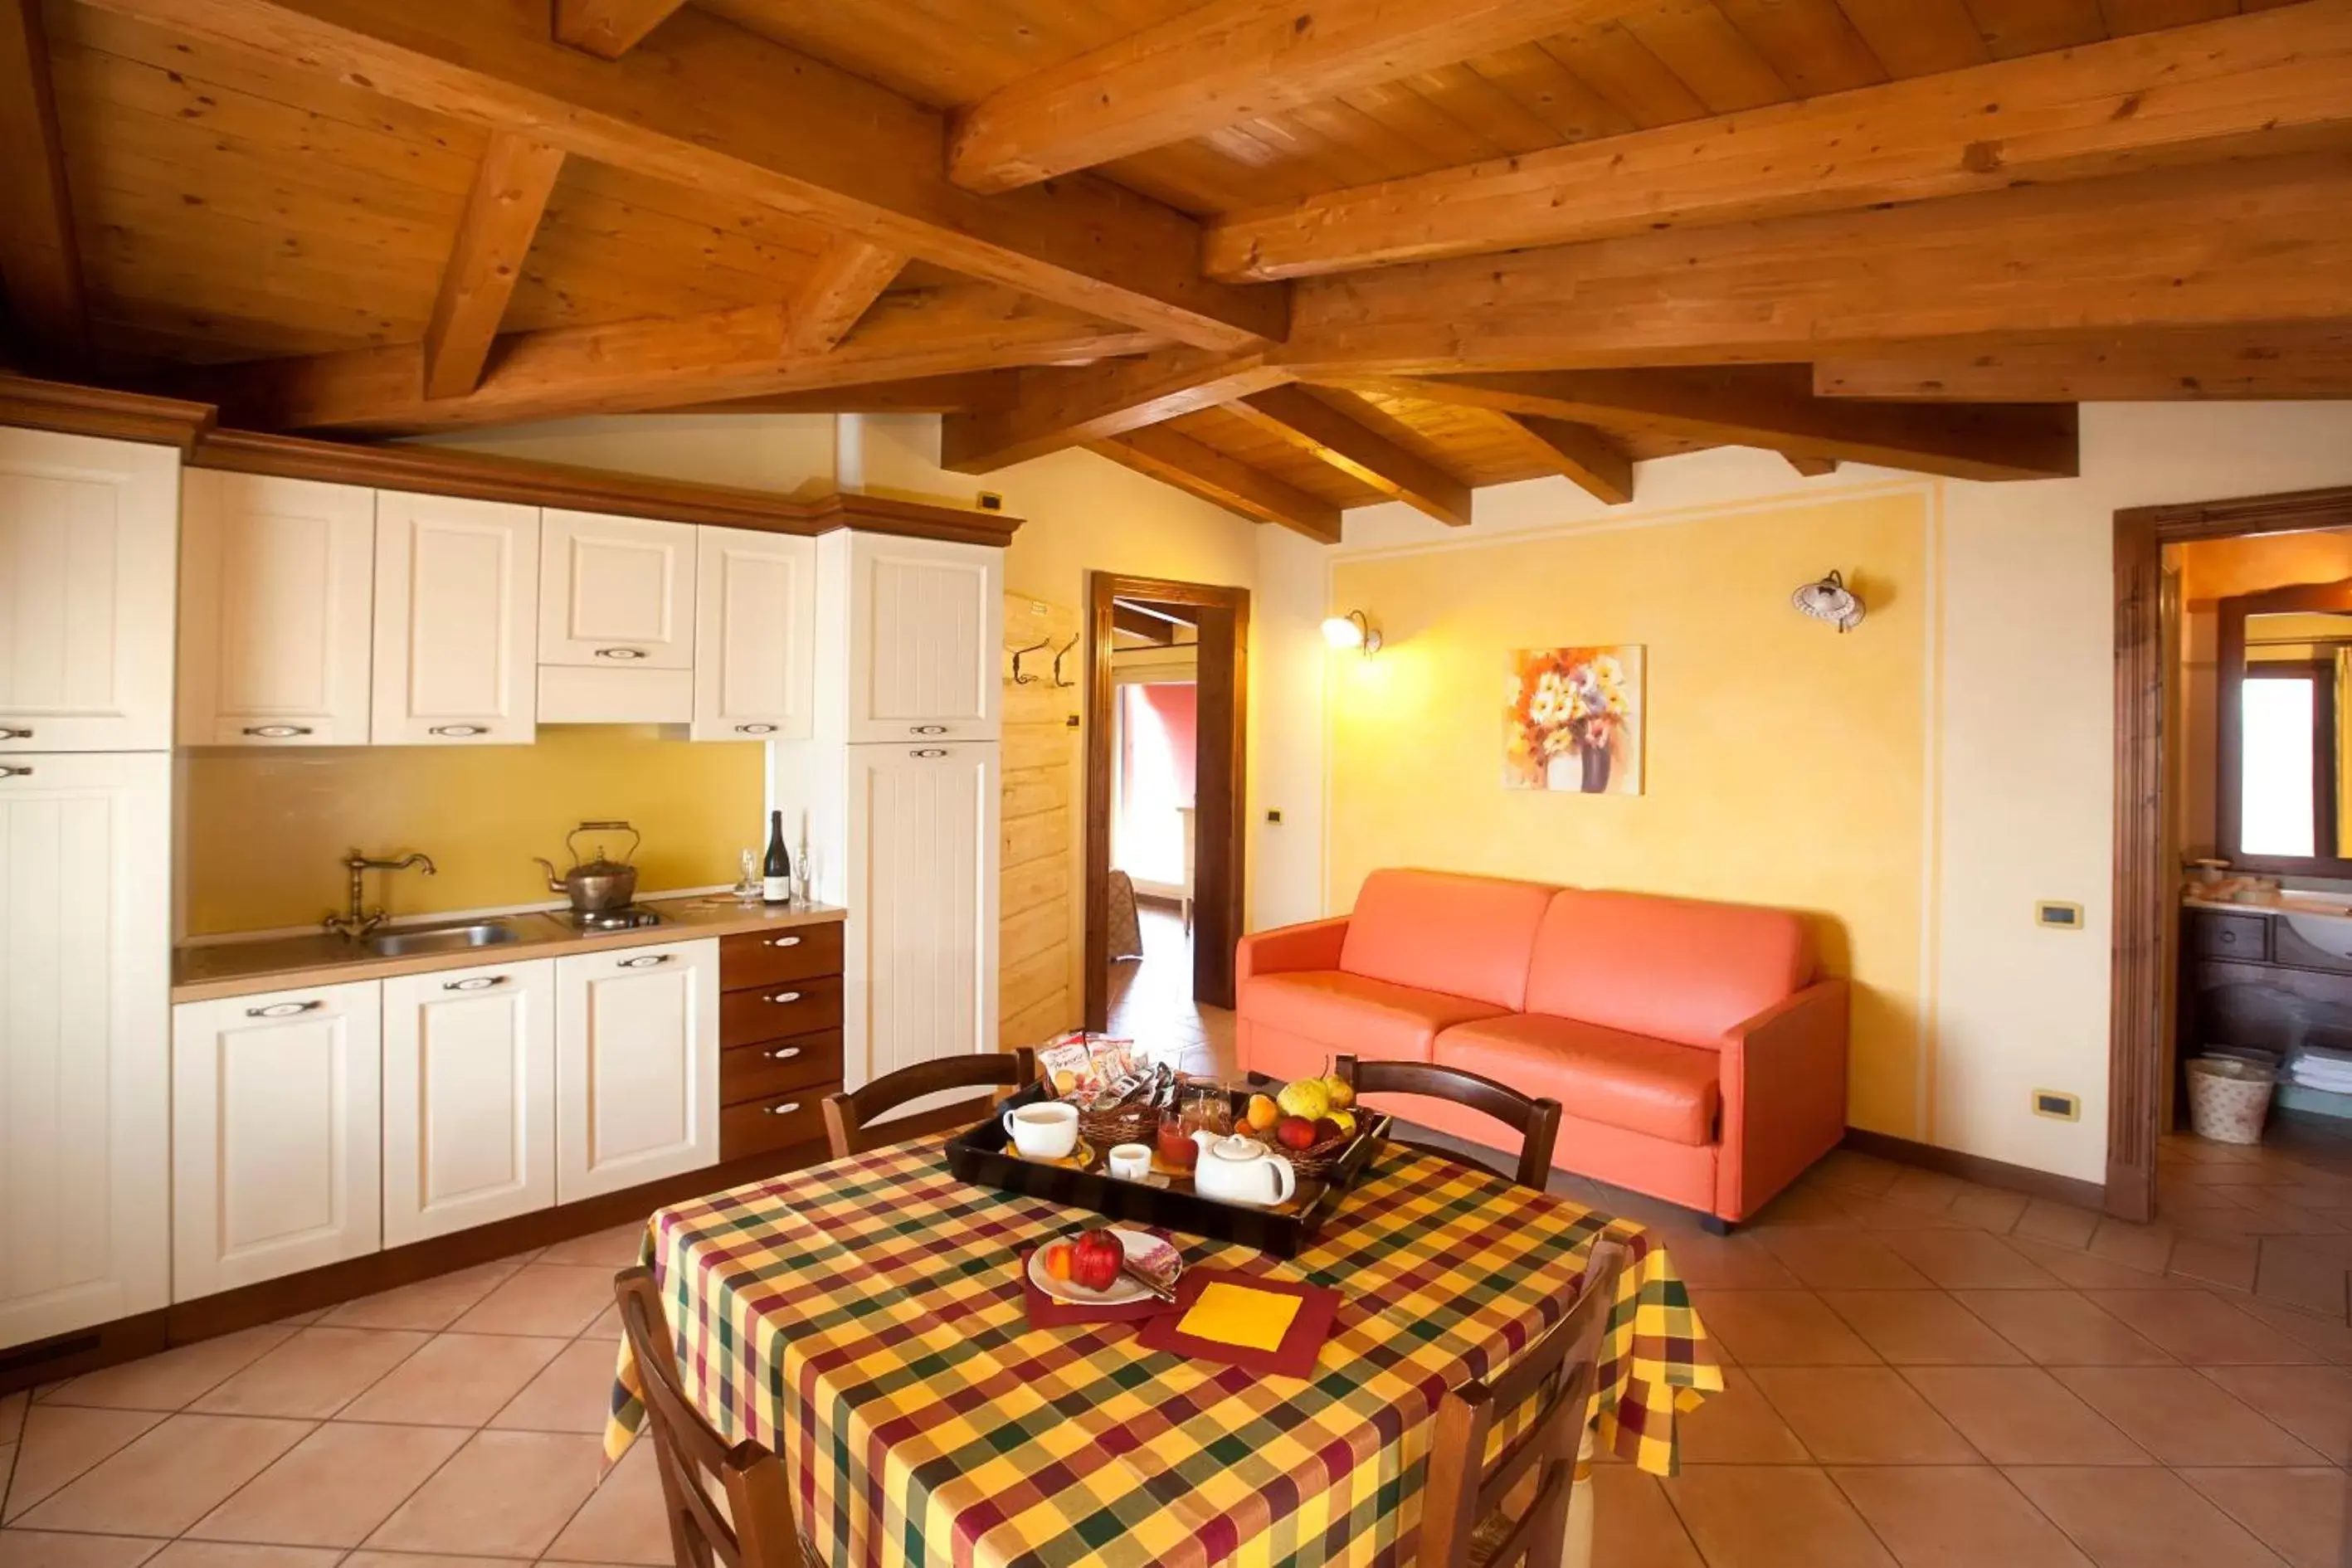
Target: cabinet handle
{"x":927,"y":729}
{"x":276,"y":731}
{"x":8,"y":734}
{"x":784,"y":942}
{"x":785,"y":1055}
{"x":928,"y":752}
{"x":15,"y":773}
{"x":620,"y":653}
{"x":755,"y":729}
{"x":785,"y":996}
{"x":647,"y":961}
{"x":459,"y":730}
{"x":786,"y":1108}
{"x":478,"y":983}
{"x":284,"y":1009}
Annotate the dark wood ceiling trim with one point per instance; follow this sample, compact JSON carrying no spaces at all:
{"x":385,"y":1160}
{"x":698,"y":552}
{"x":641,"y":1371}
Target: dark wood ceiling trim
{"x":95,"y":411}
{"x":40,"y":259}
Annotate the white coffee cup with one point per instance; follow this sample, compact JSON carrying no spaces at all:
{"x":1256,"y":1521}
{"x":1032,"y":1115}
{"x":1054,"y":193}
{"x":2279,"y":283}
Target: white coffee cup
{"x":1047,"y":1131}
{"x":1131,"y":1162}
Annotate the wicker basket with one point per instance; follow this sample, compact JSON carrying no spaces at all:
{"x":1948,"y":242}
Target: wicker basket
{"x":1106,"y":1129}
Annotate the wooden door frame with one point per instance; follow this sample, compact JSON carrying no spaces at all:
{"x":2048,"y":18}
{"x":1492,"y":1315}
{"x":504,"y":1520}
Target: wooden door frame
{"x":2145,"y":887}
{"x":1219,"y":786}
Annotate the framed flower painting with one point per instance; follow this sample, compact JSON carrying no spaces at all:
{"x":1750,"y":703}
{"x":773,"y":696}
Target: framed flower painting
{"x":1572,"y":719}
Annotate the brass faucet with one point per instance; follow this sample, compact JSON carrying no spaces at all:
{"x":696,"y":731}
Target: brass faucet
{"x":360,"y":920}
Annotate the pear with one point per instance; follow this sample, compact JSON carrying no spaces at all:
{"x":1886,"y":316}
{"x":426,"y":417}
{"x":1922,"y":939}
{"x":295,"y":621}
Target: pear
{"x":1341,"y":1093}
{"x":1307,"y":1097}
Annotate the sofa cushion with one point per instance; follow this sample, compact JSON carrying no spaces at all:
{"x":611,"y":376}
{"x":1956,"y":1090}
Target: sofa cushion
{"x":1673,"y":969}
{"x":1466,"y":936}
{"x":1371,"y":1019}
{"x":1651,"y":1087}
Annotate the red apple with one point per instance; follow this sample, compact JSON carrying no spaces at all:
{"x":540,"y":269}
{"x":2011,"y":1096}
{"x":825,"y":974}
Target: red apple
{"x":1325,"y":1130}
{"x":1096,"y":1259}
{"x":1295,"y":1132}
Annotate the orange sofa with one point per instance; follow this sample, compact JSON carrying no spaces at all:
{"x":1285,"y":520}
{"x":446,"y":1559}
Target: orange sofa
{"x":1696,"y":1054}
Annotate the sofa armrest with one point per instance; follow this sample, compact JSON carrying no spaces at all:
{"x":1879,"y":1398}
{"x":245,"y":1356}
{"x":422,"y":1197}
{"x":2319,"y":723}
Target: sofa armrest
{"x":1287,"y":949}
{"x":1783,"y":1084}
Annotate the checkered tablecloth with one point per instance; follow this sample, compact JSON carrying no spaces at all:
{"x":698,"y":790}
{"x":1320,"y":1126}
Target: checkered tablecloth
{"x":865,"y":1319}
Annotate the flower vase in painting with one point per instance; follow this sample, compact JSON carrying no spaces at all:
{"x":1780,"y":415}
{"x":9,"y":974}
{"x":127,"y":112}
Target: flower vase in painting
{"x":1572,"y":720}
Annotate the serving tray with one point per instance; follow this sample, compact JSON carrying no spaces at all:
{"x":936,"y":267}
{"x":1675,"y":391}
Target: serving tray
{"x":978,"y":1154}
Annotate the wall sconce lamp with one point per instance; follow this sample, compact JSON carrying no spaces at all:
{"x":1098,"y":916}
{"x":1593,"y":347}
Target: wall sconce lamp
{"x":1354,"y":629}
{"x":1830,"y":600}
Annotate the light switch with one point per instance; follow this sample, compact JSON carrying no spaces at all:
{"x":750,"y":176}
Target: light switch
{"x":2058,"y":917}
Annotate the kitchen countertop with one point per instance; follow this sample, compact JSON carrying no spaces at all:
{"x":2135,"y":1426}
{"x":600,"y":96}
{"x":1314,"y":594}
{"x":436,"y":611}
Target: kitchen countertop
{"x":277,"y":964}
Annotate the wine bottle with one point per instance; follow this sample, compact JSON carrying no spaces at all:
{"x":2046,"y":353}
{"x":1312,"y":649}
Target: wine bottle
{"x":776,"y":871}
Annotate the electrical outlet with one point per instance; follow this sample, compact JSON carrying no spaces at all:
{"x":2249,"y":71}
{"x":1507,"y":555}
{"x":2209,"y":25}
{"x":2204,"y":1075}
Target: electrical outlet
{"x":991,"y":502}
{"x":1274,"y":814}
{"x":2057,"y":916}
{"x":2057,"y":1105}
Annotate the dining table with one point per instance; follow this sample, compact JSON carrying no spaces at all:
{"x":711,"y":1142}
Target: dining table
{"x":865,"y":1319}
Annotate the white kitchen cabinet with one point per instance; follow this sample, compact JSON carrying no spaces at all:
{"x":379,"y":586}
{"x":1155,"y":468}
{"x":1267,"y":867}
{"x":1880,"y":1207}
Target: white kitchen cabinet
{"x":85,"y":1040}
{"x":277,"y":1134}
{"x":88,"y":536}
{"x":754,"y":635}
{"x":637,"y":1065}
{"x":457,"y":618}
{"x":468,"y":1098}
{"x":925,"y":635}
{"x":276,"y":606}
{"x":616,"y":591}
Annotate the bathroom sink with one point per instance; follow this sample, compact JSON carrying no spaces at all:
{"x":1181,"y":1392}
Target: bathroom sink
{"x":439,"y":938}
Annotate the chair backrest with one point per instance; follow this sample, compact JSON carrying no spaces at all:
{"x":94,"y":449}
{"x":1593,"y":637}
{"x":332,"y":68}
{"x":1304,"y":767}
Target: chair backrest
{"x":756,"y":1531}
{"x":1536,"y":1121}
{"x":1463,"y":1494}
{"x":846,"y":1115}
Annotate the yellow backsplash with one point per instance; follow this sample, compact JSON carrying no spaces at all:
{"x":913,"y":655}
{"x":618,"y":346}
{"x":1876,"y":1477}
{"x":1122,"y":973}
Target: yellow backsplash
{"x":264,"y":832}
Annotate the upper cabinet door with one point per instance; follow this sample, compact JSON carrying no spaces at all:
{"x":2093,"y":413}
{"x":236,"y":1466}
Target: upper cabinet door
{"x":276,"y":585}
{"x":616,"y":591}
{"x":754,"y":635}
{"x":925,"y":622}
{"x":457,"y":607}
{"x":89,"y":530}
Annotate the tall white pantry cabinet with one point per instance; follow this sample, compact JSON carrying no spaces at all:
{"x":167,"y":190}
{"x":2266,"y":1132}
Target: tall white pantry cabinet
{"x":88,"y":534}
{"x":900,"y":784}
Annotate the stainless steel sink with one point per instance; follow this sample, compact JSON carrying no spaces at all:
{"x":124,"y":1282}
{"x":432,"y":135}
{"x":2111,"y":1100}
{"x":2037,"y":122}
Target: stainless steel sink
{"x":439,"y":938}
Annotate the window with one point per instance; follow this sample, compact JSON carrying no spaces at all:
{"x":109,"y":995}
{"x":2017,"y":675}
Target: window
{"x":2278,"y":807}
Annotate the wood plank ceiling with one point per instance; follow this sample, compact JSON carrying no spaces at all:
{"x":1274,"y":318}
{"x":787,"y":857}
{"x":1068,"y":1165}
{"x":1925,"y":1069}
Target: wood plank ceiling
{"x":1493,"y":239}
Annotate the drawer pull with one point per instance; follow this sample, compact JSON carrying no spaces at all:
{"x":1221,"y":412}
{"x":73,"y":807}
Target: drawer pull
{"x":784,"y":942}
{"x":2229,"y":939}
{"x":927,"y":729}
{"x":785,"y":996}
{"x":755,"y":729}
{"x":785,"y":1055}
{"x":786,"y":1108}
{"x":275,"y":732}
{"x":8,"y":734}
{"x":15,"y":773}
{"x":459,"y":731}
{"x":478,"y":983}
{"x":284,"y":1009}
{"x":928,"y":752}
{"x":647,"y":961}
{"x":620,"y":653}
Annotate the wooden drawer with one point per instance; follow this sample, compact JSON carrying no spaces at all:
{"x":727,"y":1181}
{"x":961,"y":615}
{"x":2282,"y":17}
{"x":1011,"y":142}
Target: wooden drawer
{"x":782,"y":1008}
{"x":747,"y":1072}
{"x":764,"y":957}
{"x":2241,"y":937}
{"x":774,"y":1121}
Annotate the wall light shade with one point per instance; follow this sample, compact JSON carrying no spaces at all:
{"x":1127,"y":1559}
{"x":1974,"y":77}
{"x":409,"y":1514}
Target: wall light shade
{"x":1830,"y":600}
{"x":1354,"y":629}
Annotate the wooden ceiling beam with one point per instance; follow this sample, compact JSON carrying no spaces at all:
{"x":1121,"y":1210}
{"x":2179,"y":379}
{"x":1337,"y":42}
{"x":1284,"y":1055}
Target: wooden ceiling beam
{"x":711,"y":106}
{"x":1810,"y":466}
{"x":1054,"y":408}
{"x":920,"y":394}
{"x":849,"y":277}
{"x":1773,"y":406}
{"x":1221,"y":64}
{"x":609,"y":28}
{"x":2291,"y":361}
{"x":1160,"y":610}
{"x":40,"y":259}
{"x":2245,"y":86}
{"x":1344,"y":439}
{"x":1584,"y":456}
{"x":1135,"y":623}
{"x":629,"y":367}
{"x":502,"y":213}
{"x":1202,"y":470}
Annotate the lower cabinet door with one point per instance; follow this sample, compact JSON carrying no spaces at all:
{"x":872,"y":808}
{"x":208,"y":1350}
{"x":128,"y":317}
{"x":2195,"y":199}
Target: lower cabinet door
{"x":637,"y":1065}
{"x":468,"y":1098}
{"x":277,"y":1134}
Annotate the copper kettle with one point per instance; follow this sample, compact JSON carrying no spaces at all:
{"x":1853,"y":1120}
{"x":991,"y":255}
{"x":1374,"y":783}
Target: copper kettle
{"x":599,"y":885}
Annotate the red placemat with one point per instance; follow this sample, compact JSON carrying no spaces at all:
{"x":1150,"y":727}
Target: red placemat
{"x":1293,"y":1356}
{"x":1045,"y":1313}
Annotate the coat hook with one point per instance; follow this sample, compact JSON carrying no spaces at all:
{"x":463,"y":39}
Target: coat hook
{"x":1019,"y":678}
{"x":1062,"y":653}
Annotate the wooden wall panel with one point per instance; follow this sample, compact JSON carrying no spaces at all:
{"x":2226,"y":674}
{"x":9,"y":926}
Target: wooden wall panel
{"x":1037,"y":951}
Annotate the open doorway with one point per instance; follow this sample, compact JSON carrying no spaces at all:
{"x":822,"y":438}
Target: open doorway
{"x":1166,"y":714}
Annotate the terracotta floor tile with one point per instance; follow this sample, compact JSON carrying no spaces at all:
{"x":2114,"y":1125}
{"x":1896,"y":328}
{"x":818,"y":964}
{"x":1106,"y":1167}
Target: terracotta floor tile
{"x":1987,"y":1209}
{"x":611,"y":1250}
{"x":1927,"y":1190}
{"x":313,"y":1374}
{"x":1885,"y":1213}
{"x":505,"y":1494}
{"x":2085,"y":1272}
{"x":1772,"y":1516}
{"x":1921,"y":1328}
{"x":61,"y":1442}
{"x":49,"y":1549}
{"x":12,"y":1414}
{"x":170,"y":1380}
{"x":2061,"y":1224}
{"x":2299,"y":1513}
{"x":2063,"y":1327}
{"x":241,"y":1554}
{"x":572,"y":1394}
{"x":1634,"y":1525}
{"x":607,"y":1327}
{"x":1861,"y":1415}
{"x":2201,"y":1328}
{"x":1970,"y":1260}
{"x":2289,"y":1271}
{"x":2143,"y":1246}
{"x":541,"y":1299}
{"x":2183,"y":1418}
{"x":1954,"y":1516}
{"x":2022,"y":1415}
{"x":456,"y":1380}
{"x":170,"y":1477}
{"x":2139,"y":1519}
{"x":421,"y":1560}
{"x":1780,"y":1328}
{"x":622,"y":1522}
{"x":1737,"y":1426}
{"x":2312,"y":1401}
{"x":2228,"y":1261}
{"x":1800,"y":1208}
{"x":333,"y":1488}
{"x":1843,"y":1260}
{"x":2325,"y":1337}
{"x":1727,"y":1262}
{"x":1865,"y":1174}
{"x":429,"y":1304}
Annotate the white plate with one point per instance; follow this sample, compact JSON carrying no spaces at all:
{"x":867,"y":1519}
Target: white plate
{"x":1139,"y":1245}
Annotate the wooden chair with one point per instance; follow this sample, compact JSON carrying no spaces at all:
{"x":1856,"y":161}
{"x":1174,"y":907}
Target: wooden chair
{"x":1536,"y":1121}
{"x":846,"y":1115}
{"x":696,"y":1466}
{"x":1468,"y":1520}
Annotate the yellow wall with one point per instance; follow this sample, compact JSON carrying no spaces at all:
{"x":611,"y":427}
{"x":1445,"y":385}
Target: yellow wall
{"x":1783,"y":763}
{"x":266,"y":831}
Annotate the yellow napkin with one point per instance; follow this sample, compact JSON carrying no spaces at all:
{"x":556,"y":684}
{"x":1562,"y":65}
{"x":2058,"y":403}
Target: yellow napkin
{"x":1237,"y":1315}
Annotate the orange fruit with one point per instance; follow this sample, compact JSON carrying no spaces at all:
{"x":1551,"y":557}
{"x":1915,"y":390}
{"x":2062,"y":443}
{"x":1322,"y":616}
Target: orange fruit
{"x":1060,"y":1258}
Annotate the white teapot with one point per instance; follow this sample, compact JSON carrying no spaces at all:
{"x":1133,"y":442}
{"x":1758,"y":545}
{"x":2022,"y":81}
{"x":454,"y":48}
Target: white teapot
{"x":1238,"y":1170}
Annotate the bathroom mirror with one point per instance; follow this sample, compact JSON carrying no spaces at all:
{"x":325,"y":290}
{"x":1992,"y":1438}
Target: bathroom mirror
{"x":2284,"y":784}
